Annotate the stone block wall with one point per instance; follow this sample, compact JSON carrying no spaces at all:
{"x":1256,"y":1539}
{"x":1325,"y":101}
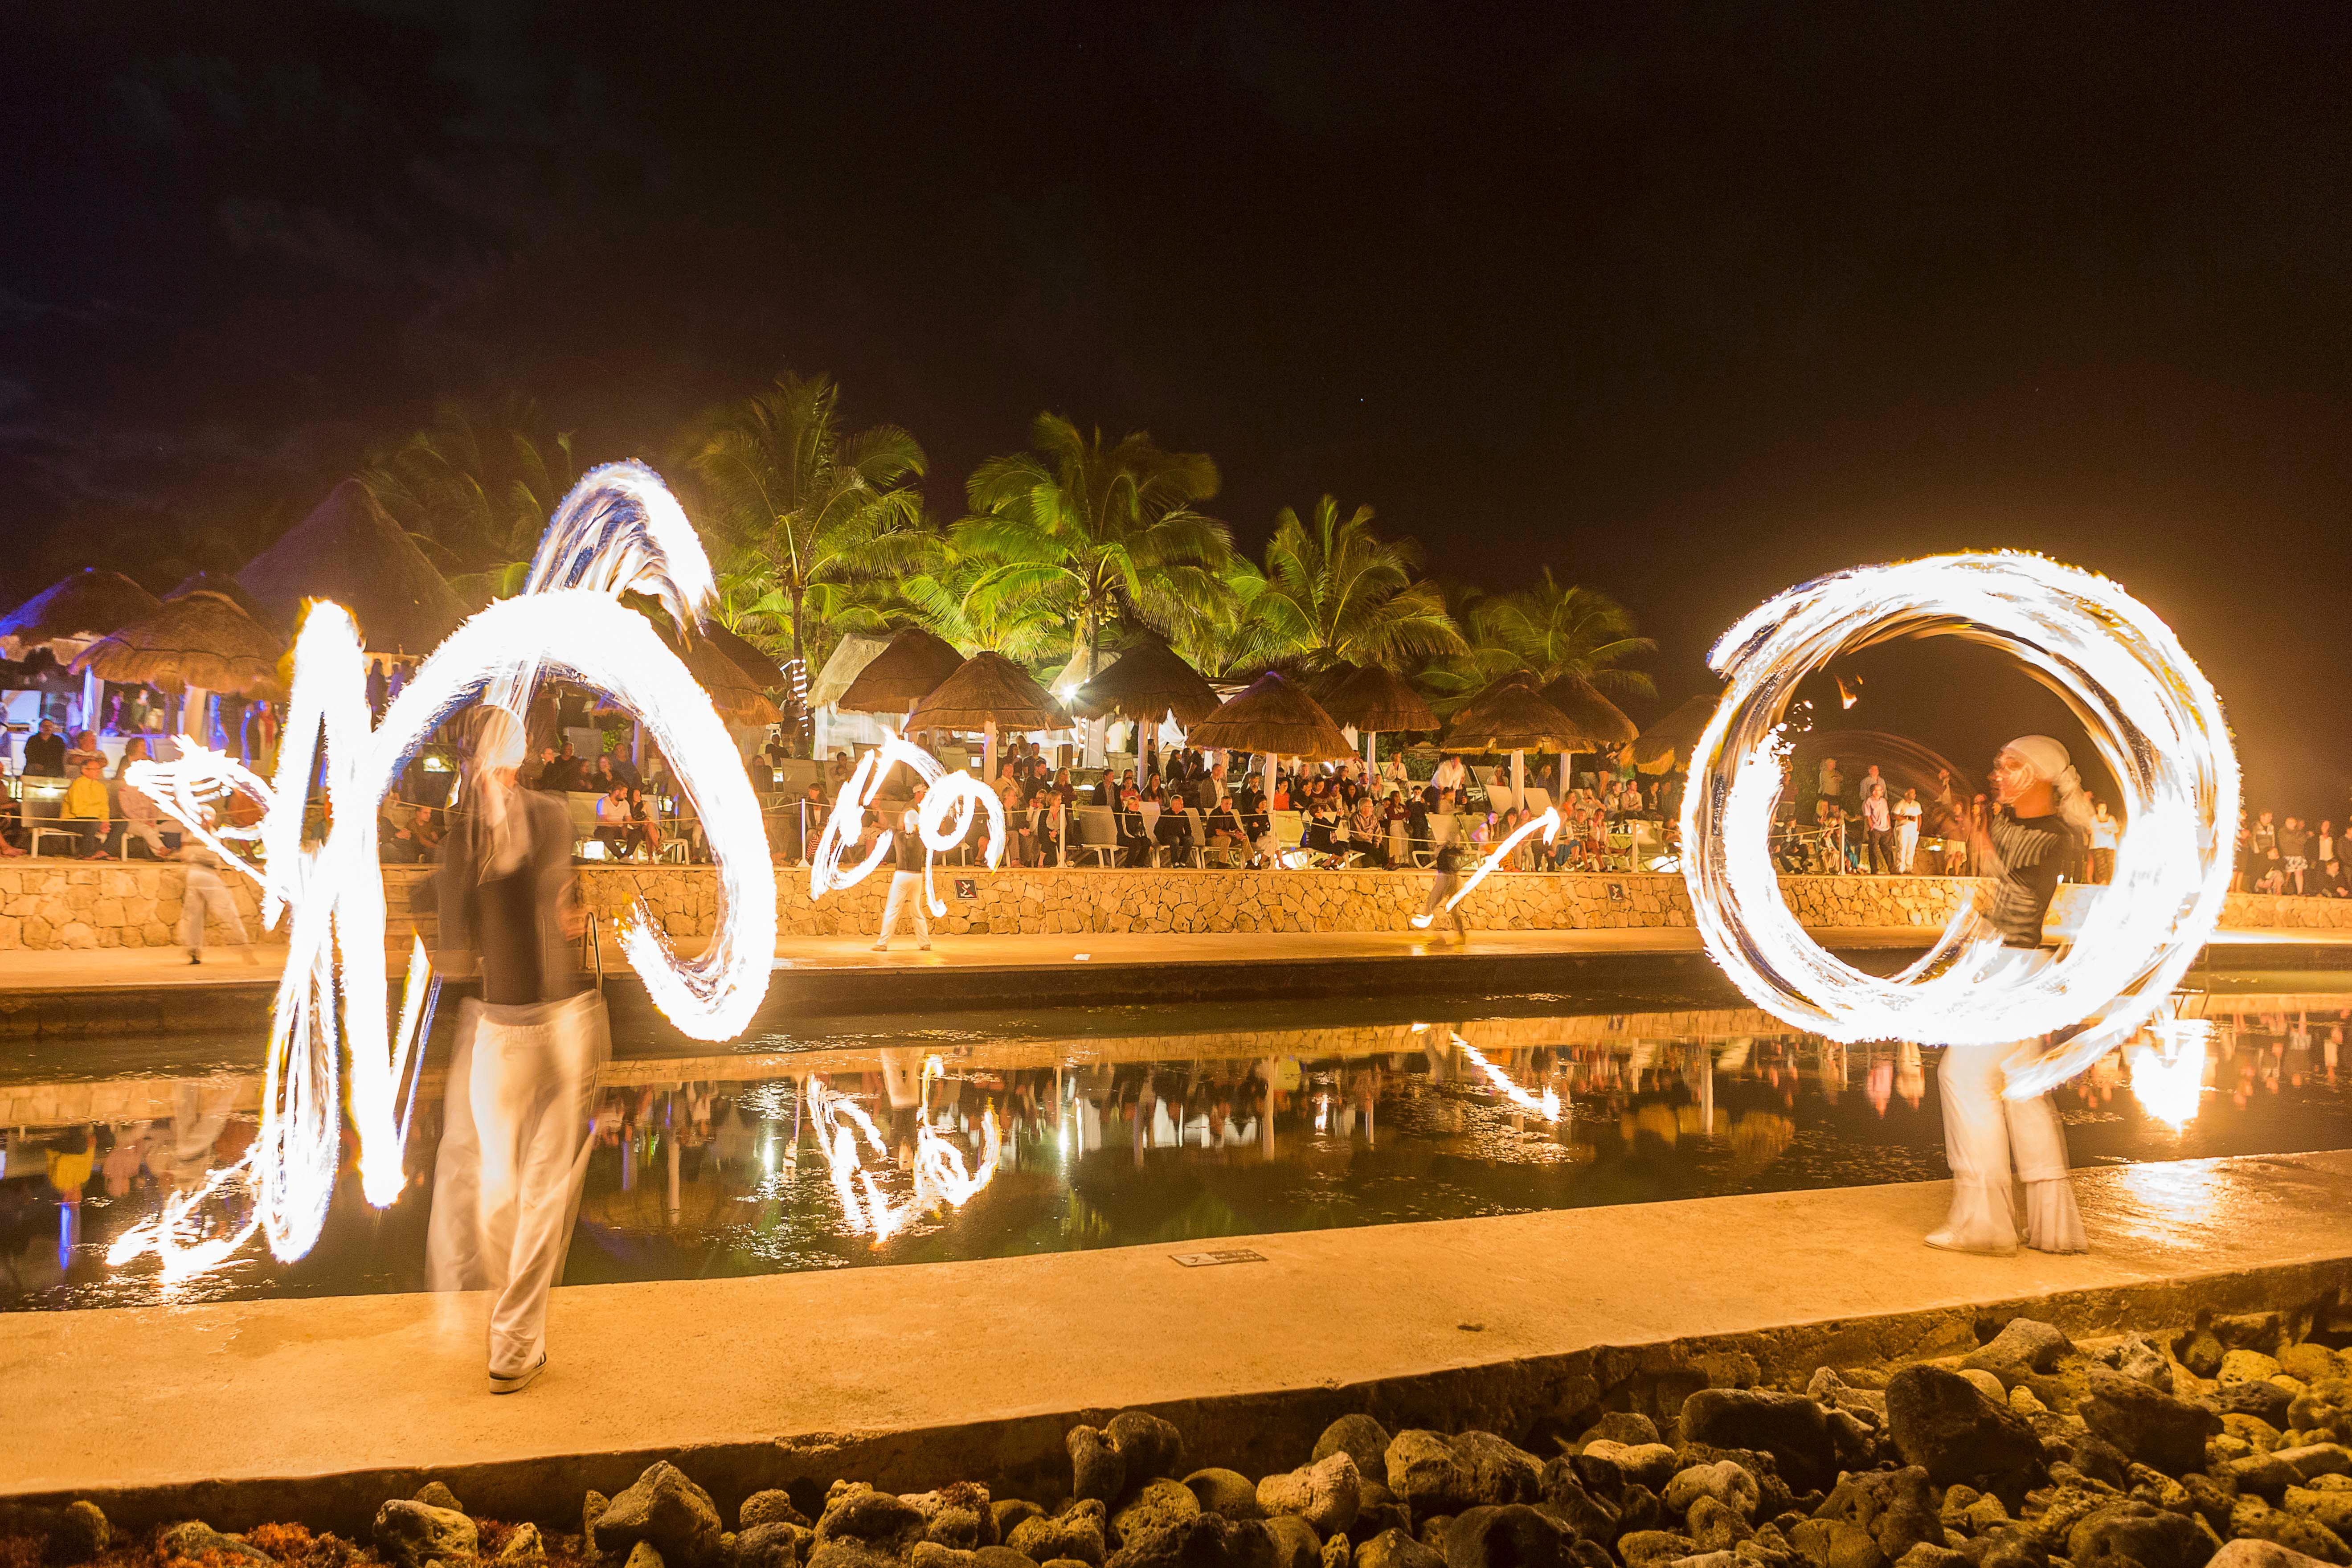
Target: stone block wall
{"x":88,"y":904}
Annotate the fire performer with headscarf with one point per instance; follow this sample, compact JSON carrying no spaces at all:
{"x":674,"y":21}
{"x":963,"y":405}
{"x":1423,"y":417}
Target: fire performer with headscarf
{"x":515,"y":1142}
{"x":2034,"y":832}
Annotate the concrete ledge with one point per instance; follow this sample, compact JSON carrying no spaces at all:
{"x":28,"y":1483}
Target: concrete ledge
{"x":912,"y":1376}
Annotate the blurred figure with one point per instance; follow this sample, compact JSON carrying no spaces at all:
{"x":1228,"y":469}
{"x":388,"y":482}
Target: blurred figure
{"x":206,"y":896}
{"x":514,"y":1149}
{"x":906,"y":882}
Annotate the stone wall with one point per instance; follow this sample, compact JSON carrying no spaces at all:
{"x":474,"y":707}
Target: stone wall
{"x":75,"y":904}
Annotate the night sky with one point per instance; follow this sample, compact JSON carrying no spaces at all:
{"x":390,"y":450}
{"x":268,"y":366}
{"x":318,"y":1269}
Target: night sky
{"x":1691,"y":302}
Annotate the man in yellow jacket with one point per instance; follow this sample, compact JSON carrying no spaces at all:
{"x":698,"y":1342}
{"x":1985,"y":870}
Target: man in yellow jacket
{"x":87,"y":811}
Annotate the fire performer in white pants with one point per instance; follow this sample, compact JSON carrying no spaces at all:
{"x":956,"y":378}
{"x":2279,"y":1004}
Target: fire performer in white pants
{"x":519,"y":1109}
{"x":907,"y":883}
{"x":2033,"y":834}
{"x":204,"y":894}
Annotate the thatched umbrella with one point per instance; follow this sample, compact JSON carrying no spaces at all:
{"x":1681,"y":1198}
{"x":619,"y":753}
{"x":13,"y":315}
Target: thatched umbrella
{"x":910,"y":670}
{"x":1677,"y":735}
{"x":734,"y":692}
{"x":201,"y":639}
{"x":1148,"y":684}
{"x":1274,"y":719}
{"x":847,"y":661}
{"x":1510,"y":716}
{"x":986,"y":693}
{"x":70,"y":614}
{"x":1376,"y":699}
{"x":1330,"y":679}
{"x":349,"y":552}
{"x":219,"y":582}
{"x":1602,"y":722}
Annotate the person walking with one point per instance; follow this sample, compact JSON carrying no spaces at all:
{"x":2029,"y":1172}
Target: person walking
{"x":2039,"y":819}
{"x":1442,"y":887}
{"x":205,"y":895}
{"x":517,"y":1112}
{"x":907,"y":882}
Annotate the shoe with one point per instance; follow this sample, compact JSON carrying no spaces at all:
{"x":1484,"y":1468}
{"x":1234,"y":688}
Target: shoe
{"x":193,"y":959}
{"x":515,"y":1383}
{"x":1950,"y":1241}
{"x":922,"y":947}
{"x":881,"y":947}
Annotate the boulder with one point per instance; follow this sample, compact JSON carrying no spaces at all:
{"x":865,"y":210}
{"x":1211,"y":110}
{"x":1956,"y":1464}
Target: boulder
{"x":2012,"y":1546}
{"x":1610,"y":1466}
{"x":1158,"y":1506}
{"x":773,"y":1506}
{"x":842,"y":1552}
{"x":1567,"y":1500}
{"x":1789,"y":1426}
{"x":1148,"y":1446}
{"x":1075,"y":1532}
{"x":1924,"y":1556}
{"x":1204,"y":1541}
{"x":1989,"y":1385}
{"x":1941,"y":1422}
{"x":1336,"y":1553}
{"x":1829,"y":1389}
{"x":931,"y":1554}
{"x":1712,"y":1527}
{"x":1724,"y":1482}
{"x":1377,"y":1508}
{"x":1425,"y":1472}
{"x":957,"y":1516}
{"x":1500,"y":1471}
{"x":2253,"y":1517}
{"x":2266,"y":1401}
{"x":2147,"y":1423}
{"x":77,"y":1532}
{"x":999,"y":1557}
{"x":1626,"y":1426}
{"x":2200,"y":1351}
{"x":1228,"y":1492}
{"x":1295,"y":1544}
{"x":1359,"y":1437}
{"x":2332,"y":1508}
{"x":2246,"y":1366}
{"x":771,"y":1544}
{"x":1510,"y":1535}
{"x":2134,"y":1535}
{"x":437,"y":1494}
{"x":1834,"y":1543}
{"x":1097,"y":1471}
{"x":1010,"y":1512}
{"x":1396,"y":1548}
{"x":2024,"y":1344}
{"x":193,"y":1538}
{"x":1644,"y":1548}
{"x":414,"y":1533}
{"x":2136,"y":1357}
{"x":643,"y":1555}
{"x":664,"y":1508}
{"x":2308,"y":1364}
{"x":1893,"y":1506}
{"x":2259,"y":1554}
{"x":1325,"y":1494}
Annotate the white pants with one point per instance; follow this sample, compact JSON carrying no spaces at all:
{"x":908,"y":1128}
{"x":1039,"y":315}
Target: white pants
{"x":1441,"y":887}
{"x":203,"y":894}
{"x":1907,"y":846}
{"x":905,"y":888}
{"x":147,"y":833}
{"x":1984,"y":1133}
{"x":514,"y":1153}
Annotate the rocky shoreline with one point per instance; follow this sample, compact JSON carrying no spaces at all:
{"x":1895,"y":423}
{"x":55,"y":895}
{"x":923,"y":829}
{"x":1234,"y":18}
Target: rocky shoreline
{"x":2229,"y":1445}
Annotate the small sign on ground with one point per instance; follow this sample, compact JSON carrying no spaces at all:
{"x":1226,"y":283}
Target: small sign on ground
{"x":1212,"y":1259}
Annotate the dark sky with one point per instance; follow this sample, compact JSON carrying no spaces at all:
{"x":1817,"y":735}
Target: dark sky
{"x":1691,"y":302}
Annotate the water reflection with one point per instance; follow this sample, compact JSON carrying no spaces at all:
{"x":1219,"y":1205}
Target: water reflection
{"x":952,"y":1145}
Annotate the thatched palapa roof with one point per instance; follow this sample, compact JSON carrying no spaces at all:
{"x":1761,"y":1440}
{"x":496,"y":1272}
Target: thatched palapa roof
{"x":219,"y":582}
{"x":1677,"y":733}
{"x":902,"y":674}
{"x":1149,"y":683}
{"x":1376,"y":699}
{"x":988,"y":687}
{"x":1330,"y":679}
{"x":765,"y":672}
{"x":201,"y":639}
{"x":1510,"y":716}
{"x":1272,"y":716}
{"x":349,"y":552}
{"x":74,"y":611}
{"x":733,"y":690}
{"x":1599,"y":721}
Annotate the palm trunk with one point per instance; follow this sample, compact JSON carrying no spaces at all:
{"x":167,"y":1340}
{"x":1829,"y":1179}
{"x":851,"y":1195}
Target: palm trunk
{"x":1098,"y":730}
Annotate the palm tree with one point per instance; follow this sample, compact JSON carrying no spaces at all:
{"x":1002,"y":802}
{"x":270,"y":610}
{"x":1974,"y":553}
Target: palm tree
{"x":1334,"y":591}
{"x":1095,"y":534}
{"x":480,"y":486}
{"x":810,"y":512}
{"x":1550,"y":629}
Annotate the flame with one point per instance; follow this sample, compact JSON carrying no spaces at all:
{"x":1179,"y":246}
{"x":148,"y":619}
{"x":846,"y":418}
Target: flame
{"x":1547,"y":1106}
{"x":1547,"y":823}
{"x":942,"y":821}
{"x":940,"y":1175}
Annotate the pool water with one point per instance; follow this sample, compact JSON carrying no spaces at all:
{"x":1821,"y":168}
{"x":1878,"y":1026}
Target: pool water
{"x":882,"y":1140}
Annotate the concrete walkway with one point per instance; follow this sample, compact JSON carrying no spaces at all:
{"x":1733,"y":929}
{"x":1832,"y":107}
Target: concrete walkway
{"x":914,"y":1375}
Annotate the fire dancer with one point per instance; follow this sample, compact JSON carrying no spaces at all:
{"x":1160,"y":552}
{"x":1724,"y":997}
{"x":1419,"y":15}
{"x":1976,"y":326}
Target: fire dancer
{"x":907,"y":880}
{"x":520,"y":1101}
{"x":2039,"y":818}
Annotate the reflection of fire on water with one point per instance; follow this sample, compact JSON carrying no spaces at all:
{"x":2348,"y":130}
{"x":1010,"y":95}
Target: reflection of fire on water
{"x":940,"y":1175}
{"x":1548,"y":1107}
{"x":2168,"y":1072}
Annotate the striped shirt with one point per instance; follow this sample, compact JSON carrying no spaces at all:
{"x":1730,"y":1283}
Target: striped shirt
{"x":2033,"y":851}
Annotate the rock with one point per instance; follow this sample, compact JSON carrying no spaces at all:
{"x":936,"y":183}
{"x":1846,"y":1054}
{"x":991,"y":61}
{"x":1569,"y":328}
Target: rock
{"x":414,"y":1533}
{"x":1204,"y":1541}
{"x":1396,"y":1548}
{"x":1624,"y":1426}
{"x":2326,"y":1405}
{"x":1097,"y":1471}
{"x":2024,"y":1343}
{"x":1424,"y":1473}
{"x":2312,"y":1461}
{"x":1377,"y":1508}
{"x":1988,"y":1384}
{"x":1640,"y":1508}
{"x":1148,"y":1446}
{"x":194,"y":1538}
{"x":2211,"y":1498}
{"x":770,"y":1544}
{"x":2252,"y":1517}
{"x":1335,"y":1553}
{"x":1613,"y":1465}
{"x":1712,"y":1526}
{"x":1228,"y":1492}
{"x":1893,"y":1506}
{"x":1501,"y":1472}
{"x":1160,"y":1505}
{"x":2134,"y":1535}
{"x":2137,"y":1358}
{"x":2331,"y":1509}
{"x":2308,"y":1363}
{"x":1939,"y":1421}
{"x":1359,"y":1437}
{"x":931,"y":1554}
{"x":1831,"y":1389}
{"x":1834,"y":1543}
{"x":523,"y":1546}
{"x":1325,"y":1494}
{"x":2246,"y":1366}
{"x":77,"y":1532}
{"x":999,"y":1557}
{"x":1507,"y":1536}
{"x":1925,"y":1556}
{"x":644,"y":1555}
{"x":434,"y":1494}
{"x":2202,"y":1353}
{"x":1295,"y":1544}
{"x":773,"y":1506}
{"x":1789,"y":1426}
{"x":2147,"y":1423}
{"x":1724,"y":1482}
{"x":2012,"y":1546}
{"x":1010,"y":1512}
{"x":2266,"y":1401}
{"x":663,"y":1507}
{"x":1567,"y":1500}
{"x":1077,"y":1532}
{"x":1641,"y":1548}
{"x":2259,"y":1554}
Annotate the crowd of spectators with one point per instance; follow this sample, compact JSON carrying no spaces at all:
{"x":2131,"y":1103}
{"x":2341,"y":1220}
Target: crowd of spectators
{"x":2292,"y":857}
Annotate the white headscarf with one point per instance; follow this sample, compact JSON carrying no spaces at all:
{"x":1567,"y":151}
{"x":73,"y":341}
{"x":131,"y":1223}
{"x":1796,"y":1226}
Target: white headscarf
{"x":2049,"y":760}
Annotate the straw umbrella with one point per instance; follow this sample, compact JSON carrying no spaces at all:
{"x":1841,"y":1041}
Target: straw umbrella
{"x":1275,"y":719}
{"x":1677,"y":735}
{"x":201,"y":639}
{"x":70,"y":614}
{"x":349,"y":551}
{"x":1376,"y":699}
{"x":1600,"y":721}
{"x":733,"y":690}
{"x":1148,"y":684}
{"x":986,"y":693}
{"x":905,"y":672}
{"x":1510,"y":716}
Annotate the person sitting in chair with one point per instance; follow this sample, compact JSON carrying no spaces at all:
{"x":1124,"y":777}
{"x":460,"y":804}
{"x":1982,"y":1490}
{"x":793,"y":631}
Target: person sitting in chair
{"x":86,"y":810}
